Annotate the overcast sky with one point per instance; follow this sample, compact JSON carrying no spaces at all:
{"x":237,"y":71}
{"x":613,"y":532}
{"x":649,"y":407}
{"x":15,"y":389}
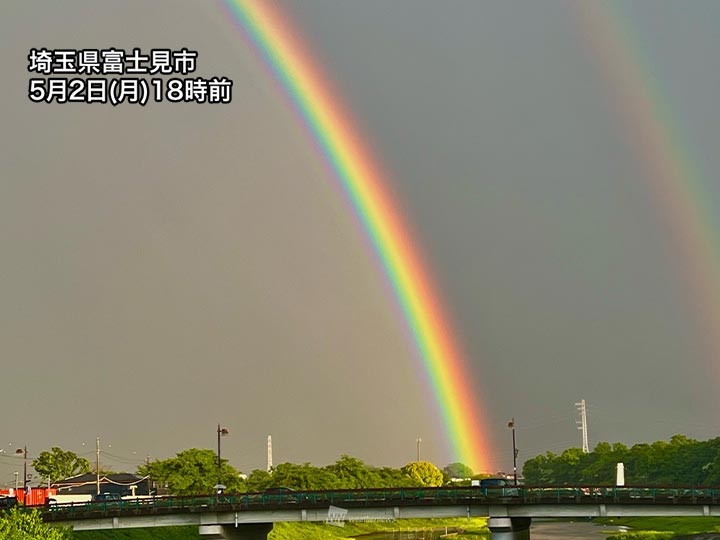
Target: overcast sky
{"x":171,"y":266}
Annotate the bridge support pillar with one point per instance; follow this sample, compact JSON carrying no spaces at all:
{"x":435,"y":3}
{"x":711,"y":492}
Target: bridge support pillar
{"x":506,"y":528}
{"x":253,"y":531}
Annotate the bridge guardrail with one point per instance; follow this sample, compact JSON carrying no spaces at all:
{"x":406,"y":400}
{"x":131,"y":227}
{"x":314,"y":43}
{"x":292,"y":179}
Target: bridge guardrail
{"x":387,"y":497}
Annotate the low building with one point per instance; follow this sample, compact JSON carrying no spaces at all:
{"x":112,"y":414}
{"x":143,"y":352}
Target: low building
{"x":84,"y":486}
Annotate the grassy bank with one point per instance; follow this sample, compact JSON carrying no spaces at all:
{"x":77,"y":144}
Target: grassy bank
{"x":473,"y":529}
{"x":154,"y":533}
{"x":662,"y":528}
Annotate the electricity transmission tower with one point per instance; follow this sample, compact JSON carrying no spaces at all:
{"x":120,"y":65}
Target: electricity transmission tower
{"x":582,"y":425}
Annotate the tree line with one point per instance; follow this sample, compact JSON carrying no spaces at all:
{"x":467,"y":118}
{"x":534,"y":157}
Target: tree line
{"x":680,"y":461}
{"x":195,"y":471}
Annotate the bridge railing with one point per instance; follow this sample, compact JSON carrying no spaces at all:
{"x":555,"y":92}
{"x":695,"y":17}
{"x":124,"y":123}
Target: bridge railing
{"x":388,"y":497}
{"x":625,"y":495}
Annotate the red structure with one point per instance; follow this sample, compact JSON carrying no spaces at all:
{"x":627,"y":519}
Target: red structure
{"x":35,"y":496}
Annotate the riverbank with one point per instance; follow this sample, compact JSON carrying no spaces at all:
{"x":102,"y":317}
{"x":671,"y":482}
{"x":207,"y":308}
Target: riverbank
{"x":154,"y":533}
{"x":475,"y":528}
{"x":662,"y":528}
{"x":555,"y":529}
{"x":467,"y":529}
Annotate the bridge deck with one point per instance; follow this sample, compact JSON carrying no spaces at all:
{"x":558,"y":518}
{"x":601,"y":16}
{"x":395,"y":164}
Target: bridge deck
{"x":530,"y":501}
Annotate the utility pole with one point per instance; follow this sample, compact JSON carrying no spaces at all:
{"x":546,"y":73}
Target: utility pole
{"x":25,"y":478}
{"x":582,"y":425}
{"x":97,"y":465}
{"x":220,"y":433}
{"x":269,"y":454}
{"x":149,"y":481}
{"x":17,"y":474}
{"x":418,"y":441}
{"x":23,"y":451}
{"x":511,"y":425}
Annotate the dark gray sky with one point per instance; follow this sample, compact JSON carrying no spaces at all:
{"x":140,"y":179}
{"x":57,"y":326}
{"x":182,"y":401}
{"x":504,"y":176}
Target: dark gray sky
{"x":168,"y":267}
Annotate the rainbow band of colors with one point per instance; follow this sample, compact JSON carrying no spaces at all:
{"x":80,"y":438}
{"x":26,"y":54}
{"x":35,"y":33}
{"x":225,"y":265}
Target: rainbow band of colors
{"x":675,"y":180}
{"x":363,"y":183}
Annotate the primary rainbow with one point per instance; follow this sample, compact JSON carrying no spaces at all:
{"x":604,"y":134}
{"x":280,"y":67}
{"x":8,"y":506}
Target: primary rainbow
{"x":673,"y":176}
{"x":363,"y":183}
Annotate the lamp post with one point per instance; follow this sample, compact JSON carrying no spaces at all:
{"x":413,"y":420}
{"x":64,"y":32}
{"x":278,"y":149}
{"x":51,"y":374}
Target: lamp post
{"x":23,"y":451}
{"x":221,"y":431}
{"x":511,"y":425}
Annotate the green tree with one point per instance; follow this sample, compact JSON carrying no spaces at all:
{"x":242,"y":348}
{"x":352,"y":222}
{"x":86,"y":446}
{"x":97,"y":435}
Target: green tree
{"x":389,"y":477}
{"x":568,"y":466}
{"x":19,"y":525}
{"x":352,"y":473}
{"x":59,"y":464}
{"x":303,"y":477}
{"x":681,"y":461}
{"x":193,"y":472}
{"x":712,"y":468}
{"x":259,"y":480}
{"x":681,"y":440}
{"x":346,"y":473}
{"x":424,"y":473}
{"x":540,"y":470}
{"x":457,"y":470}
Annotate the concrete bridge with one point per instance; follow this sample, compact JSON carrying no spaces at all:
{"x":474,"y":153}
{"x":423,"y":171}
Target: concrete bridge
{"x":250,"y":516}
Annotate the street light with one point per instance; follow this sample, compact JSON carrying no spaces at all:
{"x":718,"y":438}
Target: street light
{"x":23,"y":452}
{"x":221,"y":431}
{"x":511,"y":425}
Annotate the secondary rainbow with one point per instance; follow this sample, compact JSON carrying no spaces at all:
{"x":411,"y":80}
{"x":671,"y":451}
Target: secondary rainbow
{"x":673,"y":176}
{"x":363,"y":183}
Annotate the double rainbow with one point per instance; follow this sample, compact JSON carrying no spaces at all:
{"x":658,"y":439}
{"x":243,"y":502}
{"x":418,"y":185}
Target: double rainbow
{"x":675,"y":181}
{"x":364,"y":185}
